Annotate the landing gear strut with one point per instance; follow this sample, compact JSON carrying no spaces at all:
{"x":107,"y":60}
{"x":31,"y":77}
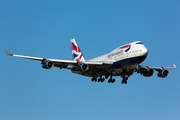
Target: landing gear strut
{"x":111,"y":80}
{"x":124,"y":81}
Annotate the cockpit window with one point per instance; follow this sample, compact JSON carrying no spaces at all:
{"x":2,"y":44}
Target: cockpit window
{"x":139,"y":43}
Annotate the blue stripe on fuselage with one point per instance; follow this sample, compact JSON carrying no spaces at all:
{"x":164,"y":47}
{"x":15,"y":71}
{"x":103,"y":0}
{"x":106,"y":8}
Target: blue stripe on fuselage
{"x":127,"y":49}
{"x":128,"y":61}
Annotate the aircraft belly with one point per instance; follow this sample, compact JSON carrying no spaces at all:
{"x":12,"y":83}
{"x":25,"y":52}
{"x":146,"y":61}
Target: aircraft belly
{"x":128,"y":64}
{"x":128,"y":61}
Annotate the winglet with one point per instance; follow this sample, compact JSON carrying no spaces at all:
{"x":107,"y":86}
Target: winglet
{"x":8,"y":53}
{"x":174,"y":66}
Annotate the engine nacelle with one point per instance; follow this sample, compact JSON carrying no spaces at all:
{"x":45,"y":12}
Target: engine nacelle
{"x":163,"y":73}
{"x":148,"y":73}
{"x":47,"y":64}
{"x":82,"y":67}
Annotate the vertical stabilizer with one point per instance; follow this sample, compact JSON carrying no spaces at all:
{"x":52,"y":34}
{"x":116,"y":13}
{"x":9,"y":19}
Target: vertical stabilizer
{"x":76,"y":52}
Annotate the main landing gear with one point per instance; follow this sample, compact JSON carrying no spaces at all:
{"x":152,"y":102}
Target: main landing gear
{"x":94,"y":79}
{"x":124,"y":81}
{"x":111,"y":80}
{"x":99,"y":80}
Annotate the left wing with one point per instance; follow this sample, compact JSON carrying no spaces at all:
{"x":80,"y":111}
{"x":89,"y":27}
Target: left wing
{"x":157,"y":68}
{"x":148,"y":71}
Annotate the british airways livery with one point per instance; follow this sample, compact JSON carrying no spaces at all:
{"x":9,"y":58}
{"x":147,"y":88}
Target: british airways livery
{"x":123,"y":61}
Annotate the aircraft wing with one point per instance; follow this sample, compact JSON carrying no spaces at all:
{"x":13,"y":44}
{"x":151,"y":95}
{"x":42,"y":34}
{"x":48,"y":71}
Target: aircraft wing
{"x":94,"y":63}
{"x":56,"y":61}
{"x":63,"y":63}
{"x":157,"y":68}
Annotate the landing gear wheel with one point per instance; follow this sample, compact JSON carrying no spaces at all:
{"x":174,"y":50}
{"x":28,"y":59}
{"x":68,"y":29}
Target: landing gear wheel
{"x":113,"y":80}
{"x":109,"y":81}
{"x":99,"y":79}
{"x":125,"y":82}
{"x":102,"y":80}
{"x":94,"y":79}
{"x":122,"y":81}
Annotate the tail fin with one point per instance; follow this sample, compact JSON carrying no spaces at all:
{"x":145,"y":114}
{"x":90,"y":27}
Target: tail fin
{"x":76,"y":52}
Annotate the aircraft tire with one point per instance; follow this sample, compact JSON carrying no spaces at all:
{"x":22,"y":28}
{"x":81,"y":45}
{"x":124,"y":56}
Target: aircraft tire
{"x":125,"y":82}
{"x":109,"y":80}
{"x":113,"y":80}
{"x":122,"y":81}
{"x":92,"y":79}
{"x":103,"y":80}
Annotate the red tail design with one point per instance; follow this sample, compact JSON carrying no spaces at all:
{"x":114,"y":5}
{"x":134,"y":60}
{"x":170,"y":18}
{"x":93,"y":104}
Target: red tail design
{"x":74,"y":47}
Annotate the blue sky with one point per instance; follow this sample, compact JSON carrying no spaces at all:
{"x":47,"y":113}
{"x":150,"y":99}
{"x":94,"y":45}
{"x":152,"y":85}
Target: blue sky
{"x":44,"y":29}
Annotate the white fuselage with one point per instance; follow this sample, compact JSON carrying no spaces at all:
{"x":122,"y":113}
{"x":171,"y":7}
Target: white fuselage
{"x":119,"y":54}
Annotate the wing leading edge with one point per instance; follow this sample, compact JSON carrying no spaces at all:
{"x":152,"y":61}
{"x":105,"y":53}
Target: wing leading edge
{"x":63,"y":63}
{"x":69,"y":62}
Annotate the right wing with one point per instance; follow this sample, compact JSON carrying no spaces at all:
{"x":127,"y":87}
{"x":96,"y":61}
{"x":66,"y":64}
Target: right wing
{"x":63,"y":63}
{"x":57,"y":62}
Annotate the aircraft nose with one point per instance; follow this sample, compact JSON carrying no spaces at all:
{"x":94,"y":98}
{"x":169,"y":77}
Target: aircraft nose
{"x":145,"y":51}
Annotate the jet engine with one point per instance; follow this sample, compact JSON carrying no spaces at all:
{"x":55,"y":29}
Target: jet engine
{"x":148,"y":73}
{"x":83,"y":67}
{"x":47,"y":64}
{"x":163,"y":73}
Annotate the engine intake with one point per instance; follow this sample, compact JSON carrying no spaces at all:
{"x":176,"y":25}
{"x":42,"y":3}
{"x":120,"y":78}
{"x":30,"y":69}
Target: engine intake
{"x":163,"y":73}
{"x":47,"y":64}
{"x":148,"y":73}
{"x":83,"y":67}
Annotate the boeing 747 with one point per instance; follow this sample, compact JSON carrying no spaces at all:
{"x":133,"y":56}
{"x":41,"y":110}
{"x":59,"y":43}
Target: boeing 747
{"x":123,"y":61}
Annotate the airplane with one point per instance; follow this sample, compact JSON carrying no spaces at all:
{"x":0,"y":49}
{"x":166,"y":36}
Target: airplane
{"x":122,"y":61}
